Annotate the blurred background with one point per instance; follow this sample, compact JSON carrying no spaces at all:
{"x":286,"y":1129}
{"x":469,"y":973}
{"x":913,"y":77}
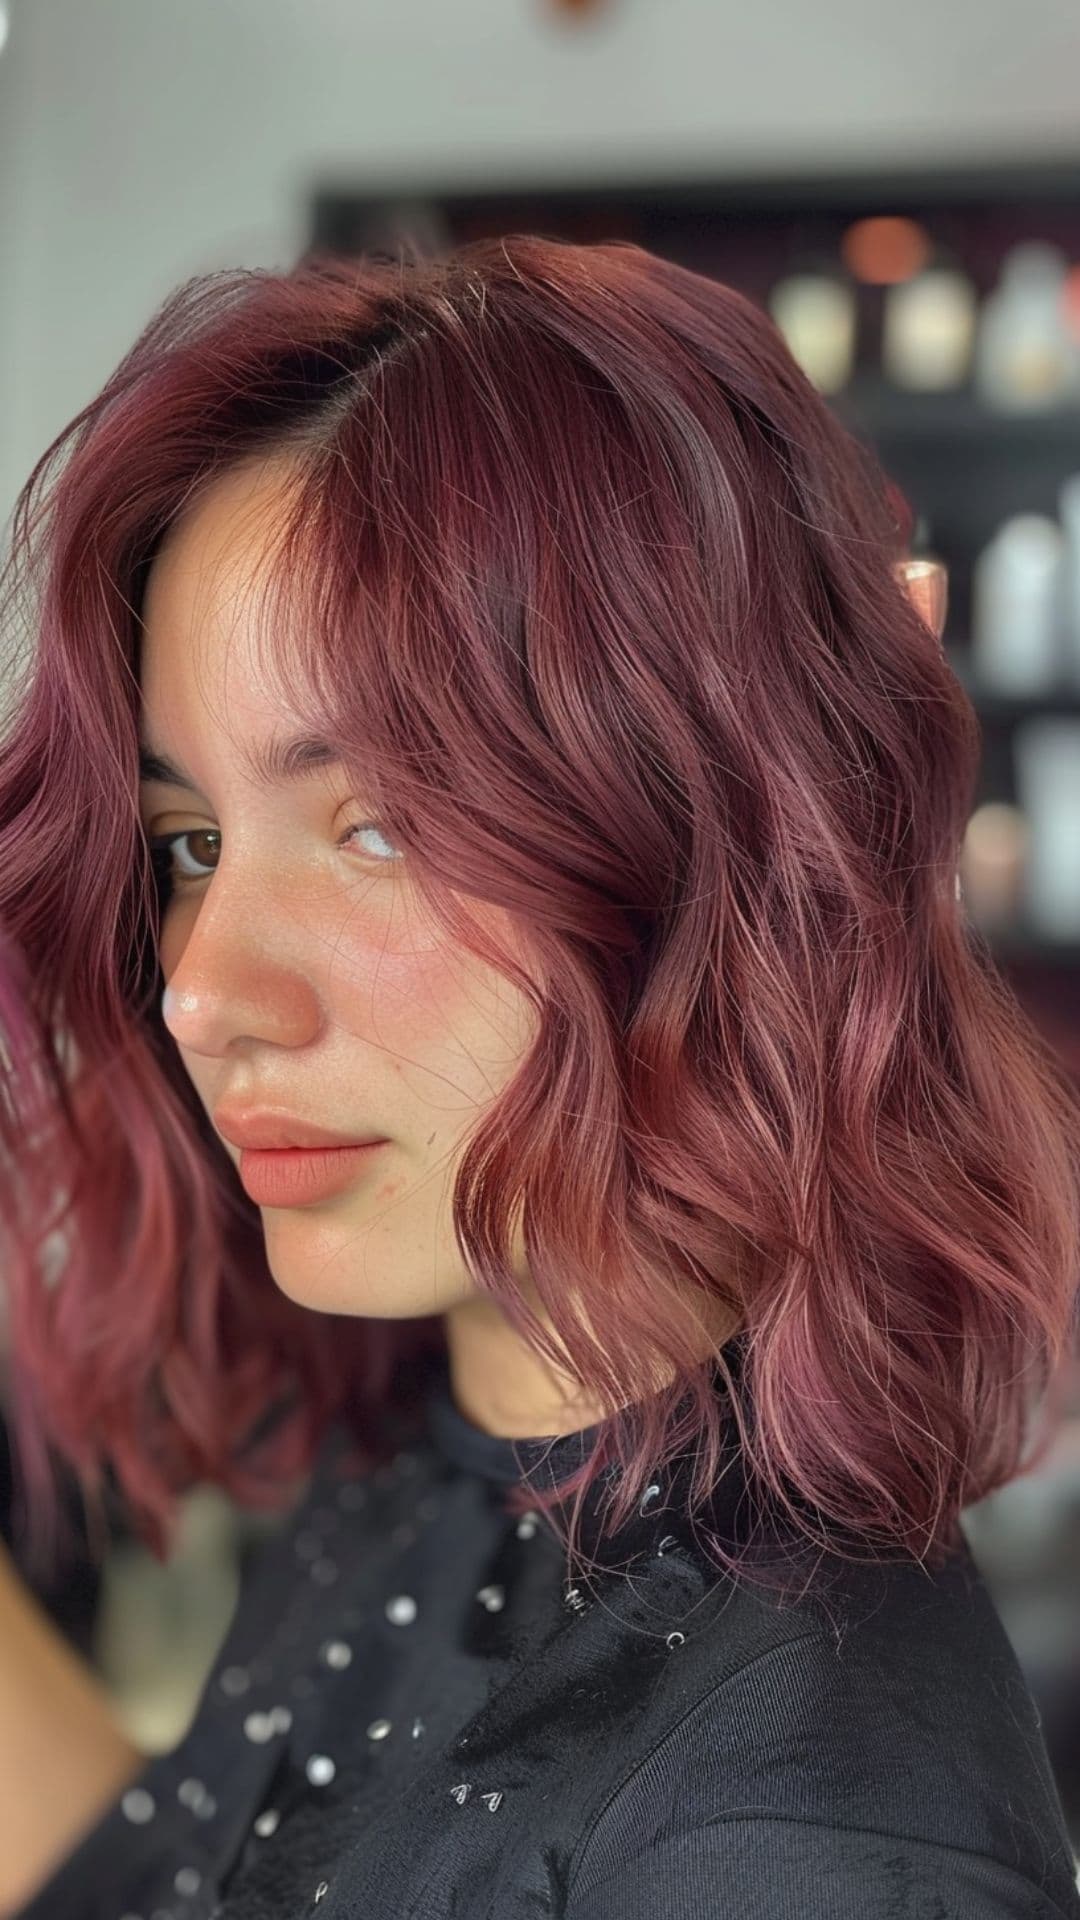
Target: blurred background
{"x":899,"y":188}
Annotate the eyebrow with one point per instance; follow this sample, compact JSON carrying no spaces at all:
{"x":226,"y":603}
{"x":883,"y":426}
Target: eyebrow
{"x":280,"y":760}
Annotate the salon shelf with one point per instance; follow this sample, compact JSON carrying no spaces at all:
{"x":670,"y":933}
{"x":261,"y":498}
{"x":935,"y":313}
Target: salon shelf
{"x":1022,"y":945}
{"x":1001,"y":712}
{"x":960,"y":418}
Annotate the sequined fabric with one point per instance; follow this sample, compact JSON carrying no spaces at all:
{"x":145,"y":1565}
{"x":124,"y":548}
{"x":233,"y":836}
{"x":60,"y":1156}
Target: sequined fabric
{"x":416,"y":1715}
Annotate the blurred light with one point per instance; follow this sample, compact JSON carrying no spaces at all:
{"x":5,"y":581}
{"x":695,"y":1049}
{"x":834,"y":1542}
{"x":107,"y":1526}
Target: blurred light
{"x":1071,"y":298}
{"x":885,"y":250}
{"x":5,"y":24}
{"x":576,"y":9}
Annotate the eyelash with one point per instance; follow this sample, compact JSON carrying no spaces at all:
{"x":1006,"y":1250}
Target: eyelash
{"x":161,"y":846}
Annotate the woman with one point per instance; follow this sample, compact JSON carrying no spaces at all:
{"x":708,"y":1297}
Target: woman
{"x":497,"y":1073}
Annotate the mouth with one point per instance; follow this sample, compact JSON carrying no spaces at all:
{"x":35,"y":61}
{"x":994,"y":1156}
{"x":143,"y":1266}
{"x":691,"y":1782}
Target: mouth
{"x":295,"y":1176}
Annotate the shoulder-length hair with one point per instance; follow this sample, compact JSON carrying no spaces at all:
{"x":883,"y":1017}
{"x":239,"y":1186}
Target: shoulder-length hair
{"x":587,"y":582}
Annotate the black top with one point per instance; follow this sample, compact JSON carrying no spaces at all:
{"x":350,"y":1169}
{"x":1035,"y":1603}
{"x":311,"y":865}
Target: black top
{"x":414,"y":1715}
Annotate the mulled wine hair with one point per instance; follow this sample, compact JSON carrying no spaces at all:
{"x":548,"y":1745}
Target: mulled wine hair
{"x":584,"y":579}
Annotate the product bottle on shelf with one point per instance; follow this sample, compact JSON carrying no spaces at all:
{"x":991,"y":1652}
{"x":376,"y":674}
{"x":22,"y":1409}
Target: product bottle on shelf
{"x":1069,"y":507}
{"x":1017,"y":584}
{"x":928,"y":331}
{"x":816,"y":313}
{"x":1046,"y":752}
{"x":1027,"y":354}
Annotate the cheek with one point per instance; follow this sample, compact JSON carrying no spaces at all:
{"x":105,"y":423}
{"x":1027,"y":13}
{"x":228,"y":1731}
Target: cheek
{"x":414,"y":1002}
{"x":450,"y":1026}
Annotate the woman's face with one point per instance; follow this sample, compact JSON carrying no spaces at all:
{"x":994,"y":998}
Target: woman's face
{"x":301,"y":974}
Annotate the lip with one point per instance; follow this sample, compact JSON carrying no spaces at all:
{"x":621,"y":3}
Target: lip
{"x":261,"y":1127}
{"x":294,"y":1176}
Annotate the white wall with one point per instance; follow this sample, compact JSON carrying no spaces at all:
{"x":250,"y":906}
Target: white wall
{"x":141,"y":141}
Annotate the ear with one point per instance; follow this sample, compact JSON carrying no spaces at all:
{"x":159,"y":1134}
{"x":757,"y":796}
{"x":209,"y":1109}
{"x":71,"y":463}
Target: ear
{"x":926,"y":582}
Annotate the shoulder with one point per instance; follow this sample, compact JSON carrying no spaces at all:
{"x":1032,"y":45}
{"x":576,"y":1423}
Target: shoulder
{"x":764,"y":1866}
{"x":880,"y":1755}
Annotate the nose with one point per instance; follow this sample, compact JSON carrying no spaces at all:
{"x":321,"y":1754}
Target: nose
{"x":231,"y":984}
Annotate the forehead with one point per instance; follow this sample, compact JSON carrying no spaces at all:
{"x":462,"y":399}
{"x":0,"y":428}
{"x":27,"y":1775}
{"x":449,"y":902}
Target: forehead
{"x":205,"y":609}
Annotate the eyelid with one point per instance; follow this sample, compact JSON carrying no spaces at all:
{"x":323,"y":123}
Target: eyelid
{"x":189,"y":805}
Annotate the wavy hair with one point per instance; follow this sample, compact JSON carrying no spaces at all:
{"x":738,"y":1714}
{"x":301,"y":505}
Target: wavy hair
{"x":597,"y":596}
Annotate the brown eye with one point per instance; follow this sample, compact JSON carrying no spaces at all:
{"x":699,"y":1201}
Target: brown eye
{"x":161,"y":854}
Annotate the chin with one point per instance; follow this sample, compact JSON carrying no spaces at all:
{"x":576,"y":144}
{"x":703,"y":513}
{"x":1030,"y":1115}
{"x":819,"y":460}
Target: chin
{"x":327,"y":1270}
